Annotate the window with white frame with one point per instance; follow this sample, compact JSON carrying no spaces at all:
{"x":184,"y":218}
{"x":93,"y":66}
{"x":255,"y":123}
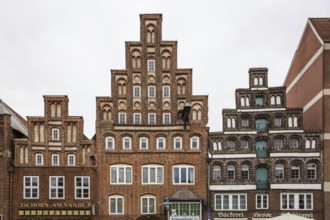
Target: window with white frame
{"x":279,"y":171}
{"x":71,"y":160}
{"x":161,"y":143}
{"x":295,"y":172}
{"x":116,"y":205}
{"x":231,"y":172}
{"x":136,"y":91}
{"x":216,"y":172}
{"x":82,"y":187}
{"x":55,"y":134}
{"x":137,"y":118}
{"x":166,"y":118}
{"x":177,"y":142}
{"x":296,"y":201}
{"x":56,"y":187}
{"x":152,"y":174}
{"x":166,"y":91}
{"x":143,"y":143}
{"x":122,"y":118}
{"x":230,"y":202}
{"x":148,"y":204}
{"x":121,"y":174}
{"x":39,"y":159}
{"x":261,"y":201}
{"x":151,"y":118}
{"x":311,"y":171}
{"x":31,"y":187}
{"x":245,"y":172}
{"x":55,"y":159}
{"x":151,"y":91}
{"x":127,"y":143}
{"x":151,"y":65}
{"x":194,"y":142}
{"x":109,"y":143}
{"x":183,"y":174}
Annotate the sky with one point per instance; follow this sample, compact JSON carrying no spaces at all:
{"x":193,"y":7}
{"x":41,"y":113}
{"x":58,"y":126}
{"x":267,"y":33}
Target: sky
{"x":68,"y":47}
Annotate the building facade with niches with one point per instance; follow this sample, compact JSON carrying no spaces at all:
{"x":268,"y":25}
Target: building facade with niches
{"x":151,"y":135}
{"x":55,"y":170}
{"x":264,"y":164}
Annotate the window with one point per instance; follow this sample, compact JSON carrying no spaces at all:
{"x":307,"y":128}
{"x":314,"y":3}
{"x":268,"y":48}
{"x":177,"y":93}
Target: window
{"x":121,"y":174}
{"x":194,"y":143}
{"x":151,"y":65}
{"x":152,"y":174}
{"x":161,"y":143}
{"x":296,"y":201}
{"x":122,"y":118}
{"x":116,"y":205}
{"x":152,"y":118}
{"x":71,"y":160}
{"x":82,"y":187}
{"x":183,"y":174}
{"x":177,"y":143}
{"x":245,"y":122}
{"x":56,"y":187}
{"x":166,"y":91}
{"x":230,"y":202}
{"x":311,"y":171}
{"x":272,"y":100}
{"x":136,"y":91}
{"x":151,"y":91}
{"x":143,"y":143}
{"x":278,"y":100}
{"x":148,"y":205}
{"x":137,"y":118}
{"x":295,"y":172}
{"x":55,"y":134}
{"x":217,"y":145}
{"x":310,"y":143}
{"x":259,"y":100}
{"x":127,"y":143}
{"x":216,"y":172}
{"x":277,"y":122}
{"x":278,"y":144}
{"x":262,"y":201}
{"x":55,"y":160}
{"x":39,"y":159}
{"x":279,"y":171}
{"x":231,"y":145}
{"x":245,"y":172}
{"x":109,"y":143}
{"x":231,"y":123}
{"x":31,"y":187}
{"x":231,"y":172}
{"x":293,"y":121}
{"x":166,"y":118}
{"x":244,"y":144}
{"x":293,"y":143}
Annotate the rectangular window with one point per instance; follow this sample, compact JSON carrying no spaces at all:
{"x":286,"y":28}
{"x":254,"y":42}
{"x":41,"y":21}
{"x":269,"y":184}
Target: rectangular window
{"x":116,"y":205}
{"x":137,"y":118}
{"x":109,"y":143}
{"x":183,"y":175}
{"x":230,"y":202}
{"x":152,"y":174}
{"x":151,"y":65}
{"x":151,"y":91}
{"x":244,"y":144}
{"x":152,"y":118}
{"x":185,"y":210}
{"x":55,"y":160}
{"x":71,"y":160}
{"x":278,"y":144}
{"x":161,"y":143}
{"x":194,"y":143}
{"x":56,"y":187}
{"x":177,"y":143}
{"x":259,"y":100}
{"x":148,"y":205}
{"x":245,"y":122}
{"x":296,"y":201}
{"x":39,"y":159}
{"x":82,"y":187}
{"x":262,"y":201}
{"x":126,"y":143}
{"x":231,"y":145}
{"x":31,"y":187}
{"x":55,"y":134}
{"x":136,"y":91}
{"x":121,"y":174}
{"x":122,"y":118}
{"x":144,"y":143}
{"x":166,"y":91}
{"x":166,"y":118}
{"x":277,"y":122}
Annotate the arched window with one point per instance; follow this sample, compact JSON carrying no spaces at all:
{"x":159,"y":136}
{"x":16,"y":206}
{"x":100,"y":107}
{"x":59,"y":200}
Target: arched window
{"x":295,"y":172}
{"x":261,"y":81}
{"x":242,"y":101}
{"x":228,"y":123}
{"x":293,"y":143}
{"x":177,"y":142}
{"x":245,"y":172}
{"x":231,"y":172}
{"x":272,"y":100}
{"x":143,"y":143}
{"x":279,"y":171}
{"x":278,"y":100}
{"x":148,"y":204}
{"x":247,"y":101}
{"x":313,"y":143}
{"x":161,"y":143}
{"x":290,"y":122}
{"x":216,"y":172}
{"x":278,"y":144}
{"x":127,"y":143}
{"x":255,"y":81}
{"x":295,"y":121}
{"x":311,"y":171}
{"x":109,"y":143}
{"x":194,"y":142}
{"x":116,"y":205}
{"x":308,"y":144}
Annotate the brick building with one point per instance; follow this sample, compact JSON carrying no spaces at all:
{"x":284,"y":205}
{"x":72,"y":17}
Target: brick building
{"x":264,"y":164}
{"x":308,"y":87}
{"x":55,"y":170}
{"x":151,"y":135}
{"x":12,"y":126}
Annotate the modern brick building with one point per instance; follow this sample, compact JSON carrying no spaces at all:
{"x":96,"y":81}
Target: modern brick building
{"x":308,"y":87}
{"x":151,"y":135}
{"x":264,"y":164}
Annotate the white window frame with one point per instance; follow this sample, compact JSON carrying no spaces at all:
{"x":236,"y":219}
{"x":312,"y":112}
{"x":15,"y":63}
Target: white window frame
{"x":151,"y":91}
{"x":231,"y":174}
{"x":245,"y":172}
{"x":293,"y":201}
{"x":279,"y":171}
{"x":56,"y":187}
{"x":152,"y":118}
{"x":186,"y":171}
{"x":311,"y":171}
{"x":136,"y":91}
{"x":83,"y":188}
{"x":166,"y":118}
{"x":294,"y":169}
{"x":262,"y":201}
{"x":150,"y":204}
{"x":177,"y":143}
{"x":55,"y":159}
{"x":161,"y":141}
{"x":31,"y":190}
{"x":118,"y":200}
{"x":137,"y":118}
{"x":121,"y":174}
{"x":127,"y":143}
{"x":230,"y":205}
{"x":194,"y":142}
{"x":151,"y":65}
{"x":109,"y":143}
{"x":144,"y":143}
{"x":39,"y":159}
{"x":166,"y":91}
{"x":216,"y":172}
{"x":55,"y":134}
{"x":71,"y":160}
{"x":122,"y":117}
{"x":152,"y":174}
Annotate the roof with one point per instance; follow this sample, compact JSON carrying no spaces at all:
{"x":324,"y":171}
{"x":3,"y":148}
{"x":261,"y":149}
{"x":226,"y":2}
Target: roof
{"x":17,"y":122}
{"x":184,"y":194}
{"x":322,"y":27}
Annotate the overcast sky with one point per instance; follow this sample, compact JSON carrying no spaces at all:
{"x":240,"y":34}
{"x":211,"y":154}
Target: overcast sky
{"x":67,"y":47}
